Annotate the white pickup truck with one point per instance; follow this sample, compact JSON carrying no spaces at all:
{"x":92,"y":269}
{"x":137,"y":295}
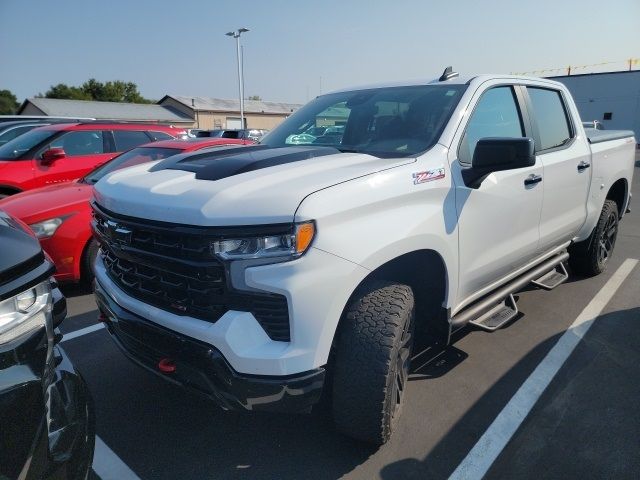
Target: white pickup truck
{"x":262,"y":275}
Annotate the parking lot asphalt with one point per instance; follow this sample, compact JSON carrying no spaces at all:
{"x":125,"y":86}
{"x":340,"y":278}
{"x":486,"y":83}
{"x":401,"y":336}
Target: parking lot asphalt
{"x":584,"y":425}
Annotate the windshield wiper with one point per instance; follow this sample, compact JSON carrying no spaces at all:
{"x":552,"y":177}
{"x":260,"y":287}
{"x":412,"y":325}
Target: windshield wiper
{"x":348,"y":150}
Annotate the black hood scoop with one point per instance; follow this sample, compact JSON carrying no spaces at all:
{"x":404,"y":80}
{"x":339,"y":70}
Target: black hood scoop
{"x":226,"y":162}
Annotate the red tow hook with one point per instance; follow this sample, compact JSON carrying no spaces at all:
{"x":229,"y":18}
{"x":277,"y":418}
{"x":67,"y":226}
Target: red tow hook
{"x":167,"y":365}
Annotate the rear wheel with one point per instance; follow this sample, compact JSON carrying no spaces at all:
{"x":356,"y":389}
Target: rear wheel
{"x":591,"y":256}
{"x":372,"y":358}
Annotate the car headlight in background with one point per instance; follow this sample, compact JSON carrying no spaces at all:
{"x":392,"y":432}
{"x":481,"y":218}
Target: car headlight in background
{"x":25,"y":312}
{"x":288,"y":246}
{"x":47,"y":228}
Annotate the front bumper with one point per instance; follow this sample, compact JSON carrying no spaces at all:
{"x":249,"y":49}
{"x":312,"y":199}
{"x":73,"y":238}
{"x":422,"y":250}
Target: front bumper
{"x":202,"y":368}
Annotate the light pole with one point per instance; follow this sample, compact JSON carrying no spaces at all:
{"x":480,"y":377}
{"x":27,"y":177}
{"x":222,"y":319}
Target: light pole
{"x":236,"y":35}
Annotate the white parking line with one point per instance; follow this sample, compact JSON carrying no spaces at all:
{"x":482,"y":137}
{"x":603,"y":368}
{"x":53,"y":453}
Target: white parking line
{"x":108,"y":465}
{"x":478,"y":461}
{"x":83,"y":331}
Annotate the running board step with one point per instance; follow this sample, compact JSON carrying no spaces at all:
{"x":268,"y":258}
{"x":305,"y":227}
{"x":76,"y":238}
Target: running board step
{"x":475,"y":310}
{"x":552,"y":278}
{"x":499,"y":315}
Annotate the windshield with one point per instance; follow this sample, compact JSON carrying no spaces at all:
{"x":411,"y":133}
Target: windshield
{"x":385,"y":122}
{"x":19,"y":145}
{"x":131,"y":158}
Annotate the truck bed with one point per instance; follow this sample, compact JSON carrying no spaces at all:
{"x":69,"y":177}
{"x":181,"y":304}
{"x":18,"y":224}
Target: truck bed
{"x":597,"y":136}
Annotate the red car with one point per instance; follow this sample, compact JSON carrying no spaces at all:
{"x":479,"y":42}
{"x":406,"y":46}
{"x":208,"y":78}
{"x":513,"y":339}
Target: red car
{"x":60,"y":215}
{"x":64,"y":152}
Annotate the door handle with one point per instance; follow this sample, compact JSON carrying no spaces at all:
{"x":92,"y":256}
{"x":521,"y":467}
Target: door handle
{"x":583,"y":166}
{"x":532,"y":179}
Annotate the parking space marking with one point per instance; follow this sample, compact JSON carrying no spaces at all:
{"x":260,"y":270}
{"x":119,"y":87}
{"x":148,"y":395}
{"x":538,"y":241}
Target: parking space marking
{"x":478,"y":461}
{"x":108,"y":465}
{"x":83,"y":331}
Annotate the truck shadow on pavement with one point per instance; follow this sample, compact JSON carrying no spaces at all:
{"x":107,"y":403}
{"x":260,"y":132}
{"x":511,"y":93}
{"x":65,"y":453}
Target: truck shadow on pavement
{"x":163,"y":432}
{"x":583,"y":426}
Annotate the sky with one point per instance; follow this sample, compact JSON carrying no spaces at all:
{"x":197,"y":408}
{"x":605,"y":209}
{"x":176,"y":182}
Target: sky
{"x":296,"y":49}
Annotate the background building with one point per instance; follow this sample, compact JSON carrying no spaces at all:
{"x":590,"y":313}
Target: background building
{"x":209,"y":113}
{"x":130,"y":112}
{"x":612,"y":98}
{"x":187,"y":112}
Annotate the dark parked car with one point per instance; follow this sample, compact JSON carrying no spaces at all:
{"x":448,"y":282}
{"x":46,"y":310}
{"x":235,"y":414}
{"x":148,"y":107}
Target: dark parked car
{"x":12,"y":129}
{"x":46,"y":413}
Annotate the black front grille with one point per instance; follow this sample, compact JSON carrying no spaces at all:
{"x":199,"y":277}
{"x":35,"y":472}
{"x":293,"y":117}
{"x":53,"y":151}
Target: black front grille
{"x":173,"y":269}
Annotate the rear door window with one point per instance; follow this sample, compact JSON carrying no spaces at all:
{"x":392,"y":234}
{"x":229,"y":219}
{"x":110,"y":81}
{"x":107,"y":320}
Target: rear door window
{"x":550,"y":117}
{"x":128,"y":139}
{"x":496,"y":115}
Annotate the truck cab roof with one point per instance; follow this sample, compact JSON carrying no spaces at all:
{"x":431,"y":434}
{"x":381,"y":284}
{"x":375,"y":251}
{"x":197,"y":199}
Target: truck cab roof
{"x":459,"y":80}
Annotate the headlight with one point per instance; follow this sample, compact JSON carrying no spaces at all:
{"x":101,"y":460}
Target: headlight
{"x":25,"y":312}
{"x":47,"y":228}
{"x":290,"y":245}
{"x":26,"y":300}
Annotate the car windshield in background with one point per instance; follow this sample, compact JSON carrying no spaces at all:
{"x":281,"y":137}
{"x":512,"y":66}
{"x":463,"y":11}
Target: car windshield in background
{"x":210,"y":133}
{"x":385,"y":122}
{"x":22,"y":144}
{"x":129,"y":159}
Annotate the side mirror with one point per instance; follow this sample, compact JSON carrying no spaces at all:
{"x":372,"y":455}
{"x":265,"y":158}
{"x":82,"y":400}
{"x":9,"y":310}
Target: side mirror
{"x":497,"y":154}
{"x":53,"y":154}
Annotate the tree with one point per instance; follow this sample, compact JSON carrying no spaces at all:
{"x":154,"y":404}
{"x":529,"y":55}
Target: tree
{"x":92,"y":89}
{"x":64,"y":91}
{"x":8,"y":103}
{"x":255,"y":97}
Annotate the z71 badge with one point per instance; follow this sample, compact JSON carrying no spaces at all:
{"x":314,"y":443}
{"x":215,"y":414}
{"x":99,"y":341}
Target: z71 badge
{"x":428,"y":175}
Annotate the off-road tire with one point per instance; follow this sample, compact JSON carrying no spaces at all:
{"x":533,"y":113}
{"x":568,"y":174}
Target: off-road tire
{"x":373,"y":352}
{"x":591,"y":256}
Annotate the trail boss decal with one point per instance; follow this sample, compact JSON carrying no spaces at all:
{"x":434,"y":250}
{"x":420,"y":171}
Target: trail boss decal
{"x":428,"y":175}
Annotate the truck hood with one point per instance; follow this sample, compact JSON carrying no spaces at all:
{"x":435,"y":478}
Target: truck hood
{"x":232,"y":186}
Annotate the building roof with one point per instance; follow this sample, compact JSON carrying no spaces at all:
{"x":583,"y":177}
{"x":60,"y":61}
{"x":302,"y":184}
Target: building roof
{"x":107,"y":110}
{"x":222,"y":105}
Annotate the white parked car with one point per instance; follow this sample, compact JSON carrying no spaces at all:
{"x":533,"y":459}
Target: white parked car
{"x":260,"y":275}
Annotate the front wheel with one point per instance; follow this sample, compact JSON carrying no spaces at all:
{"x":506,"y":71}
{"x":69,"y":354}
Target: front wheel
{"x":372,"y":357}
{"x":591,"y":256}
{"x":88,"y":258}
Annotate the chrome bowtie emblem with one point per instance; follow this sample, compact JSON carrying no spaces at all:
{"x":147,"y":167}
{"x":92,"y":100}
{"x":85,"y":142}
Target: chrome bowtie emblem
{"x":119,"y":233}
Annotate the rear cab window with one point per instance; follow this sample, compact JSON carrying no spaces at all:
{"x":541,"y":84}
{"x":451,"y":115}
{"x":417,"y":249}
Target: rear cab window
{"x":554,"y":129}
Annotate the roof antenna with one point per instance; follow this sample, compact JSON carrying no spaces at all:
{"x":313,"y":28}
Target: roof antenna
{"x":447,"y":74}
